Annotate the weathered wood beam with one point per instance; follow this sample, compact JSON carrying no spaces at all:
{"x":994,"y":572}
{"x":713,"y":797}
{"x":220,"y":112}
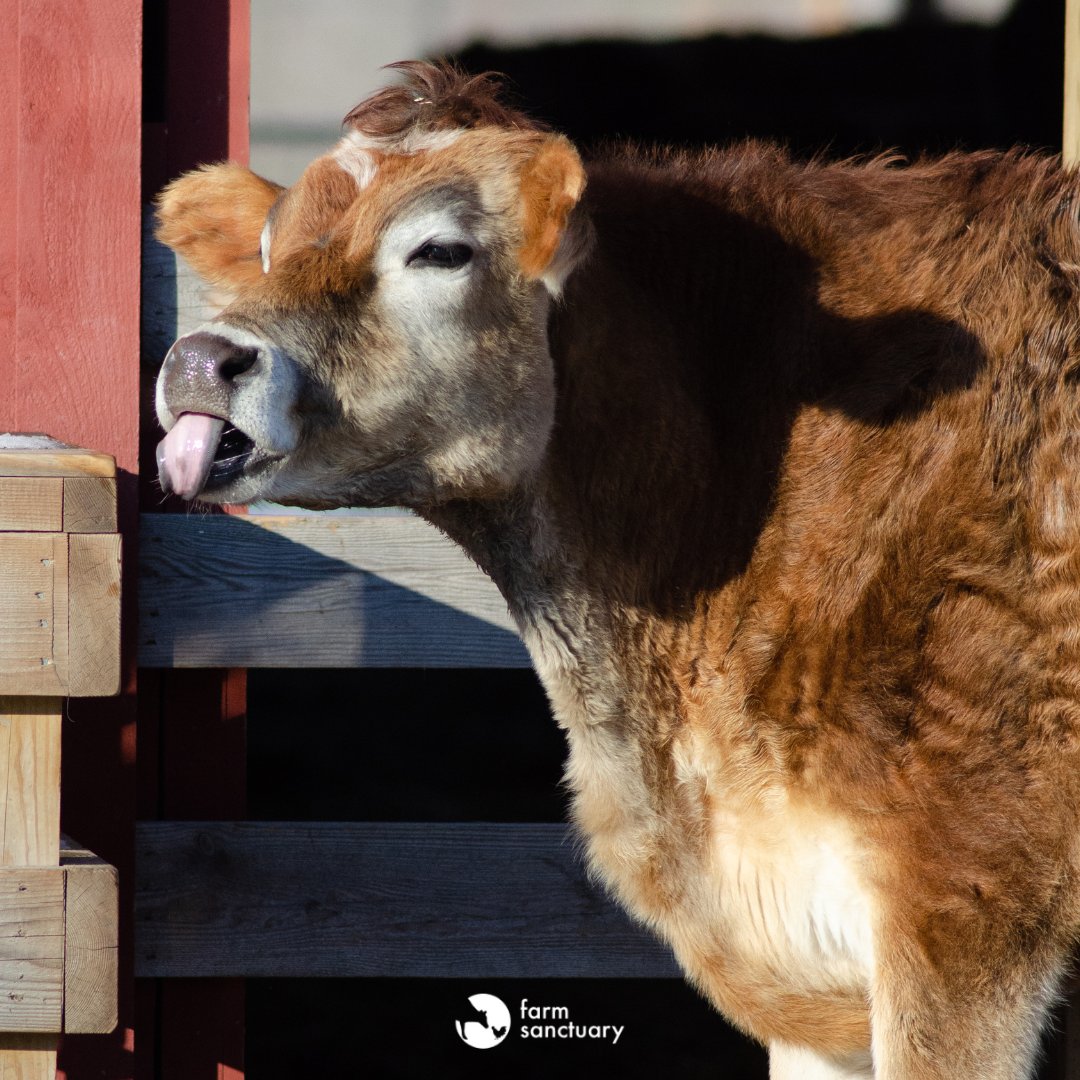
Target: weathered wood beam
{"x":59,"y":570}
{"x":379,"y":591}
{"x":60,"y":634}
{"x":91,"y":940}
{"x":392,"y":899}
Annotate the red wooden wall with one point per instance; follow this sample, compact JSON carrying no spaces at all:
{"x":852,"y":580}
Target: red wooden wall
{"x":70,"y":135}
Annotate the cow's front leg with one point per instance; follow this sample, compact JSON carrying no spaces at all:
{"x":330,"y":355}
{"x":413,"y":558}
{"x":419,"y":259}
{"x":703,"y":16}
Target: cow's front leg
{"x":969,"y":1013}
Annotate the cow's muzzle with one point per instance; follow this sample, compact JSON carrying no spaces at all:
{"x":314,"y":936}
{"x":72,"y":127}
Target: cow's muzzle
{"x":200,"y":373}
{"x":197,"y":384}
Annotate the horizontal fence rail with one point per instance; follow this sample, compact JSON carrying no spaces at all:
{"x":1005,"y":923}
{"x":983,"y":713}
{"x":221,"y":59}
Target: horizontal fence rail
{"x":260,"y":899}
{"x":311,"y":592}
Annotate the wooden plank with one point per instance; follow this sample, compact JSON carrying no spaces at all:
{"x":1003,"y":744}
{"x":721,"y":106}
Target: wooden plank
{"x":201,"y":708}
{"x":405,"y":900}
{"x":315,"y":592}
{"x":91,"y":937}
{"x":1070,"y":142}
{"x":77,"y":344}
{"x":190,"y":711}
{"x":239,"y":81}
{"x":30,"y":775}
{"x":70,"y":141}
{"x":31,"y":504}
{"x":199,"y":83}
{"x":94,"y":614}
{"x":9,"y":196}
{"x":33,"y":597}
{"x":57,"y":461}
{"x":58,"y":945}
{"x":27,"y":1057}
{"x":31,"y":883}
{"x":89,"y":504}
{"x":32,"y":949}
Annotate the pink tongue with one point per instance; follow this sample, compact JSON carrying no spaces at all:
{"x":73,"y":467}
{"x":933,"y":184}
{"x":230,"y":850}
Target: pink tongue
{"x":185,"y":455}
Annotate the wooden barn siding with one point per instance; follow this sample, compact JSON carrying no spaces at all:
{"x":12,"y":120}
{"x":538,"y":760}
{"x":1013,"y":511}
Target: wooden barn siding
{"x":389,"y":899}
{"x":70,"y":80}
{"x":70,"y":138}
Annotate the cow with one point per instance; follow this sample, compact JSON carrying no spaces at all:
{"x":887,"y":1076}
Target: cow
{"x":777,"y":465}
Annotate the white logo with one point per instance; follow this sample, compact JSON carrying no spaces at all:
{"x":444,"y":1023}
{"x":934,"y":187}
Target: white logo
{"x":484,"y":1023}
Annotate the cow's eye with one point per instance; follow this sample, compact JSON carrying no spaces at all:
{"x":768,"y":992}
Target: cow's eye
{"x":444,"y":256}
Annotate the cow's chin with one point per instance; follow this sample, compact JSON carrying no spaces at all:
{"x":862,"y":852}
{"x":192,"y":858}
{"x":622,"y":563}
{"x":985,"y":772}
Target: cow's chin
{"x":254,"y":482}
{"x":280,"y":481}
{"x":311,"y":483}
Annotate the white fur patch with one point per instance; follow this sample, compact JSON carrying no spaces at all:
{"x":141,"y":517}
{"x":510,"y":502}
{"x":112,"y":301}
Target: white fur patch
{"x":779,"y":888}
{"x":790,"y":893}
{"x":264,"y":247}
{"x":799,"y":1063}
{"x":355,"y":153}
{"x":442,"y":217}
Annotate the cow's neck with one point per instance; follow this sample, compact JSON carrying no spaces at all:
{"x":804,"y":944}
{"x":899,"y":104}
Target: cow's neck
{"x":620,"y":558}
{"x":671,"y":419}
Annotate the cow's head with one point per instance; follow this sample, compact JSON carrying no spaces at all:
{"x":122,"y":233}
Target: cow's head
{"x":385,"y":339}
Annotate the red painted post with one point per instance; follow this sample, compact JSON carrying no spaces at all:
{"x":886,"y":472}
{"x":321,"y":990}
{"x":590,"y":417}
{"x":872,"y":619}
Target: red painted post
{"x":69,"y":251}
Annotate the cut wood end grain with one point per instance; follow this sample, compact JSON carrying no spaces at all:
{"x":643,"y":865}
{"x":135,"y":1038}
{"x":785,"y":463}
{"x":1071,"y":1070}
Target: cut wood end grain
{"x":59,"y":937}
{"x":91,"y":939}
{"x":59,"y":570}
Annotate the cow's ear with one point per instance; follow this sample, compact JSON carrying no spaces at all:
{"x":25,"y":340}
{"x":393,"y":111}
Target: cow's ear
{"x":214,"y":218}
{"x":552,"y":182}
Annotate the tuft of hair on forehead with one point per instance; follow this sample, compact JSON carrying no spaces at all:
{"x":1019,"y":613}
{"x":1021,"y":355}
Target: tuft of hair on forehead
{"x":435,"y":97}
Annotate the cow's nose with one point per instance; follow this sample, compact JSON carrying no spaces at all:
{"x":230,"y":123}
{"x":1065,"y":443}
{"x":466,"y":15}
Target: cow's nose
{"x":200,"y":371}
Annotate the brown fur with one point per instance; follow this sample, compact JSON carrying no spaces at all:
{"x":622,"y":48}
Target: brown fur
{"x":801,"y":553}
{"x":551,"y":185}
{"x":435,"y":97}
{"x":214,"y":220}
